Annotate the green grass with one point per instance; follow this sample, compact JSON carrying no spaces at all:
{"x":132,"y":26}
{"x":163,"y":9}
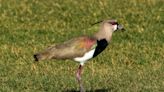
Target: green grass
{"x":133,"y":62}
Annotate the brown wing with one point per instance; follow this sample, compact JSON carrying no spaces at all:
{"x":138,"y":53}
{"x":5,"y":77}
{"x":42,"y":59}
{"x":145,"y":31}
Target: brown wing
{"x":76,"y":47}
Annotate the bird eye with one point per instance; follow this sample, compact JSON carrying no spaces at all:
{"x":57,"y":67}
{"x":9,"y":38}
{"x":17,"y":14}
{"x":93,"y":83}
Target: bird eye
{"x":113,"y":23}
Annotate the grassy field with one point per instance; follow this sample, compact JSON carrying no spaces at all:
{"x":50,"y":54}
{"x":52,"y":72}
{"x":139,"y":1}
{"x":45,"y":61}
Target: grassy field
{"x":133,"y":62}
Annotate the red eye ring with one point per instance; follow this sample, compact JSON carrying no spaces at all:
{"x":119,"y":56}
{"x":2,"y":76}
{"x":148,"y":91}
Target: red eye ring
{"x":113,"y":23}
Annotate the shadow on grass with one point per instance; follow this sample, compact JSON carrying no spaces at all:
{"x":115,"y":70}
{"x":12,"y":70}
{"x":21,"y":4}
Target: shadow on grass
{"x":96,"y":90}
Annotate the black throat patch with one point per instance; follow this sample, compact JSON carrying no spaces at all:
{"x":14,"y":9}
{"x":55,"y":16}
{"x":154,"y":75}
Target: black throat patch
{"x":101,"y":45}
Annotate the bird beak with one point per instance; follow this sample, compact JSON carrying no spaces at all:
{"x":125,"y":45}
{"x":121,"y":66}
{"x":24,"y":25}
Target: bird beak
{"x":120,"y":27}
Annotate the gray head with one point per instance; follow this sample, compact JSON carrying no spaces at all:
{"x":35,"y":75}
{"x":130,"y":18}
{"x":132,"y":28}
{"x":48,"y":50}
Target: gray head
{"x":112,"y":24}
{"x":107,"y":27}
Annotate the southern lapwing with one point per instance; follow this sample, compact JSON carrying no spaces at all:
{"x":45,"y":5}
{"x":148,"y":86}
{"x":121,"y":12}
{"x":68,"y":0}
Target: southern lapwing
{"x":82,"y":48}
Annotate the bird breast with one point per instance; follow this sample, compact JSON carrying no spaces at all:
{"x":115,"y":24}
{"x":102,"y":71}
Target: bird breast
{"x":86,"y":56}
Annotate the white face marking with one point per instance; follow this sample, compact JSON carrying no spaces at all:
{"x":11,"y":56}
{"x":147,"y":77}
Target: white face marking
{"x":115,"y":27}
{"x":86,"y":57}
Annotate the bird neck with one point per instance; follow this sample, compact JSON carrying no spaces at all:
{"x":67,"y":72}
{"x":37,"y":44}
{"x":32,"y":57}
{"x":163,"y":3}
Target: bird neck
{"x":104,"y":34}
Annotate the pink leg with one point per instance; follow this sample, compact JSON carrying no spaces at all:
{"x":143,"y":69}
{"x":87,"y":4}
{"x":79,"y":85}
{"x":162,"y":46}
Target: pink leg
{"x":78,"y":76}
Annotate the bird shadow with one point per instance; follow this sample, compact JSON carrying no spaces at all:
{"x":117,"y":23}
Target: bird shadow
{"x":96,"y":90}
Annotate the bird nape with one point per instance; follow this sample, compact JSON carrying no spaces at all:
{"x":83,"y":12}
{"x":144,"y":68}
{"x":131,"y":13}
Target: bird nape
{"x":82,"y":48}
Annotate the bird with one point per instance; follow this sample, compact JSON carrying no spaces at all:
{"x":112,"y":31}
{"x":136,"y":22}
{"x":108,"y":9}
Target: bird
{"x":83,"y":48}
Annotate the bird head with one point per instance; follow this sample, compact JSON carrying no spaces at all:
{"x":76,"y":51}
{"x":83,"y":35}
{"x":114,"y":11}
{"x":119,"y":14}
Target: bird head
{"x":107,"y":27}
{"x":113,"y":24}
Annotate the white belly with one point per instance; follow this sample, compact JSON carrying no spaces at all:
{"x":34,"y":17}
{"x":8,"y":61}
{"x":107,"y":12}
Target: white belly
{"x":86,"y":57}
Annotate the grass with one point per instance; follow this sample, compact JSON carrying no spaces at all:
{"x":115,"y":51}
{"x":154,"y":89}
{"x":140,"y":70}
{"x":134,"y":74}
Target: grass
{"x":132,"y":63}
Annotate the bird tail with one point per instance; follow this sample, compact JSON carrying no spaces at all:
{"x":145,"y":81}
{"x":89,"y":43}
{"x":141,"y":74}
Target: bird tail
{"x":48,"y":53}
{"x":36,"y":57}
{"x":41,"y":56}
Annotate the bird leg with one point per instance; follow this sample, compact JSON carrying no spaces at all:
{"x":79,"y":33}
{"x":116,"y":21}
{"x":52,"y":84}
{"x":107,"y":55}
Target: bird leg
{"x":78,"y":76}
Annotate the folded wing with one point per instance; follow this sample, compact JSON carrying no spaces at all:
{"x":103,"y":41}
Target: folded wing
{"x":73,"y":48}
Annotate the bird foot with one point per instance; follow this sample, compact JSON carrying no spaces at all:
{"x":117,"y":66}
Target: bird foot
{"x":78,"y":77}
{"x":82,"y":88}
